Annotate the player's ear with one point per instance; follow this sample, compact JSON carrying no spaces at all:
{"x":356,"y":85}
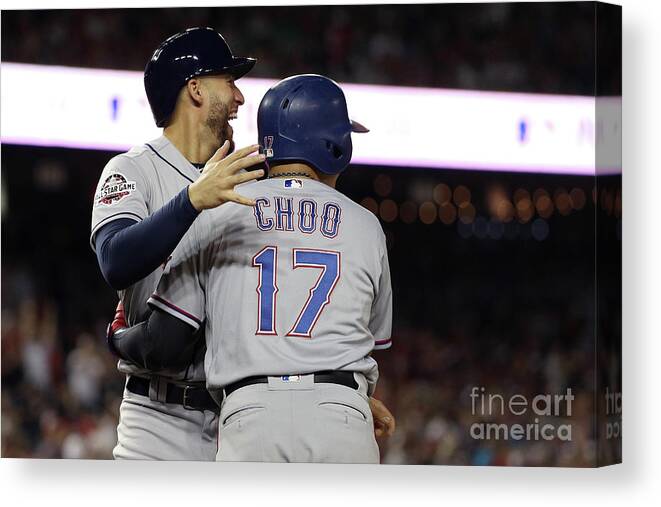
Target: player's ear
{"x":194,"y":90}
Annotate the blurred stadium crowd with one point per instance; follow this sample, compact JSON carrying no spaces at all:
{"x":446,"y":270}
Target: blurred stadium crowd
{"x":61,"y":394}
{"x":500,"y":46}
{"x":466,"y":314}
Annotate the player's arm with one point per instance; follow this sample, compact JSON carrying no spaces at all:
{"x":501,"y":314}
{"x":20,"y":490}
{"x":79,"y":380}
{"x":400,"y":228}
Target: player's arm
{"x":380,"y":323}
{"x":167,"y":338}
{"x":162,"y":341}
{"x":380,"y":326}
{"x":128,"y":250}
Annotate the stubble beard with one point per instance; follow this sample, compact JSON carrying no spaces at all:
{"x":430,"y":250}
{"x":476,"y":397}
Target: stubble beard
{"x":218,"y":123}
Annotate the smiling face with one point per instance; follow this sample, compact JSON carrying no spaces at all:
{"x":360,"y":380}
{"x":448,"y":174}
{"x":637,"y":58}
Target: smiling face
{"x":223,"y":106}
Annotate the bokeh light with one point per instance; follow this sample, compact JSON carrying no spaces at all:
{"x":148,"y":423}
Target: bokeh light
{"x":539,"y":193}
{"x":388,"y":210}
{"x":540,"y":229}
{"x":524,"y":210}
{"x":577,"y":196}
{"x":496,"y":196}
{"x":520,"y":194}
{"x":447,"y":213}
{"x":383,"y":185}
{"x":495,"y":229}
{"x":505,"y":211}
{"x":466,"y":213}
{"x":428,"y":212}
{"x":442,"y":194}
{"x":408,"y":212}
{"x":544,"y":206}
{"x":562,"y":201}
{"x":421,"y":190}
{"x":464,"y":230}
{"x":461,"y":195}
{"x":480,"y":227}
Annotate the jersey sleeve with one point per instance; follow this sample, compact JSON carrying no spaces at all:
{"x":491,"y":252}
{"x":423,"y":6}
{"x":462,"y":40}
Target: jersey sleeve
{"x":123,"y":191}
{"x":380,"y":324}
{"x":180,"y":290}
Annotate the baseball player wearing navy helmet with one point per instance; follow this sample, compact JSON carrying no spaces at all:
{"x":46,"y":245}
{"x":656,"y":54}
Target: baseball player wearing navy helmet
{"x":293,"y":295}
{"x":304,"y":118}
{"x":192,"y":53}
{"x":145,"y":201}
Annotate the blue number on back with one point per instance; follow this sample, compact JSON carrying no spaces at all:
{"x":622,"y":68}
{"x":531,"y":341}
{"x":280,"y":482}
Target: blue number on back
{"x":319,"y":297}
{"x":266,"y":260}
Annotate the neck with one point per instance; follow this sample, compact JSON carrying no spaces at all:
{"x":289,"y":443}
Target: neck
{"x":285,"y":170}
{"x":302,"y":170}
{"x":192,"y":138}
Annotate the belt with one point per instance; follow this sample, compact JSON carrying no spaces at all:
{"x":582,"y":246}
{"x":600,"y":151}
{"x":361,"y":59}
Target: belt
{"x":191,"y":397}
{"x":343,"y":378}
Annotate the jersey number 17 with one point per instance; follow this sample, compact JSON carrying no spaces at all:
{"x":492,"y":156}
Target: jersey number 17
{"x":267,"y":262}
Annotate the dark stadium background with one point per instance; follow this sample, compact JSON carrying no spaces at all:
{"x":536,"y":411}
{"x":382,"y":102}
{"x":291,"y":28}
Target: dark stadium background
{"x":479,"y":300}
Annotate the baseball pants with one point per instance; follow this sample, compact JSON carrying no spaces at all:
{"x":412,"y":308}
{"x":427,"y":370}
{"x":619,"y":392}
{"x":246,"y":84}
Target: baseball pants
{"x":298,"y":421}
{"x":152,"y":430}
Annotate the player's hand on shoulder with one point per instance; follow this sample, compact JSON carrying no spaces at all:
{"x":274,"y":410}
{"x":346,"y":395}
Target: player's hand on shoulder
{"x":221,"y":174}
{"x":384,"y":421}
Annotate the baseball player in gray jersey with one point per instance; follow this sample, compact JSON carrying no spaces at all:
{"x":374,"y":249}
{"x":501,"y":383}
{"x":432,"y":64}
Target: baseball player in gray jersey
{"x":293,"y":294}
{"x":145,"y":201}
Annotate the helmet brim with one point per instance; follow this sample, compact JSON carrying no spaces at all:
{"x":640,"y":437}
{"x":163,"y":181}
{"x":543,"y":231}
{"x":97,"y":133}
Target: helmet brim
{"x":358,"y":127}
{"x":241,"y":66}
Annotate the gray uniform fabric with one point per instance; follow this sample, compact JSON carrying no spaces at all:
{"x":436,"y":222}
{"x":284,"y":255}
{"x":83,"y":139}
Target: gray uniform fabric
{"x":134,"y":185}
{"x":151,"y":430}
{"x":298,"y":284}
{"x":298,"y":421}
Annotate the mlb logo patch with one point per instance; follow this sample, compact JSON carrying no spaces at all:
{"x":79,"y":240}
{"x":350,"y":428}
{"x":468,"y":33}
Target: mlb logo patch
{"x":293,"y":184}
{"x":291,"y":378}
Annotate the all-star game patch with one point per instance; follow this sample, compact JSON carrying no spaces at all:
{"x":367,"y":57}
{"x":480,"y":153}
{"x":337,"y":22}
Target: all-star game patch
{"x":114,"y":189}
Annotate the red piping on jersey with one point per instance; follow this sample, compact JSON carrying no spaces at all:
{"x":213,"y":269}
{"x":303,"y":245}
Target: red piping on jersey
{"x":176,"y":308}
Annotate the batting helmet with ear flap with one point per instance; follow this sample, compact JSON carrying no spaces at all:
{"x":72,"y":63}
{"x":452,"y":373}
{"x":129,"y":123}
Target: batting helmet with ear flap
{"x":188,"y":54}
{"x":304,"y":118}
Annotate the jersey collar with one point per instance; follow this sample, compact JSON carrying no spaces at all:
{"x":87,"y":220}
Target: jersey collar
{"x":171,"y":154}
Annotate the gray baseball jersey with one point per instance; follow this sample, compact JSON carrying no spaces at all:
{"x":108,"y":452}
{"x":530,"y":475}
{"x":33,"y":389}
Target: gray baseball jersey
{"x":297,"y":284}
{"x":134,"y":185}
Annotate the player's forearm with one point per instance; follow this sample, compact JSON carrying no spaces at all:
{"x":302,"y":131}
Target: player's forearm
{"x":162,"y":341}
{"x":128,"y":251}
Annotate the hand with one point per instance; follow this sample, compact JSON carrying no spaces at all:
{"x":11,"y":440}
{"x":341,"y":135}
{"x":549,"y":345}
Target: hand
{"x":117,"y":325}
{"x":384,"y":422}
{"x":216,"y":184}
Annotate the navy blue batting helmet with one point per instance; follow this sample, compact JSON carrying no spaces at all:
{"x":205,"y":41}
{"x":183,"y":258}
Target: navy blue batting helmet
{"x":191,"y":53}
{"x":304,"y":119}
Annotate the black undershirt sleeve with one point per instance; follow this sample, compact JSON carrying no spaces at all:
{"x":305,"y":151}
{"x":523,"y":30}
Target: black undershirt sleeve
{"x":161,"y":341}
{"x":128,"y":251}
